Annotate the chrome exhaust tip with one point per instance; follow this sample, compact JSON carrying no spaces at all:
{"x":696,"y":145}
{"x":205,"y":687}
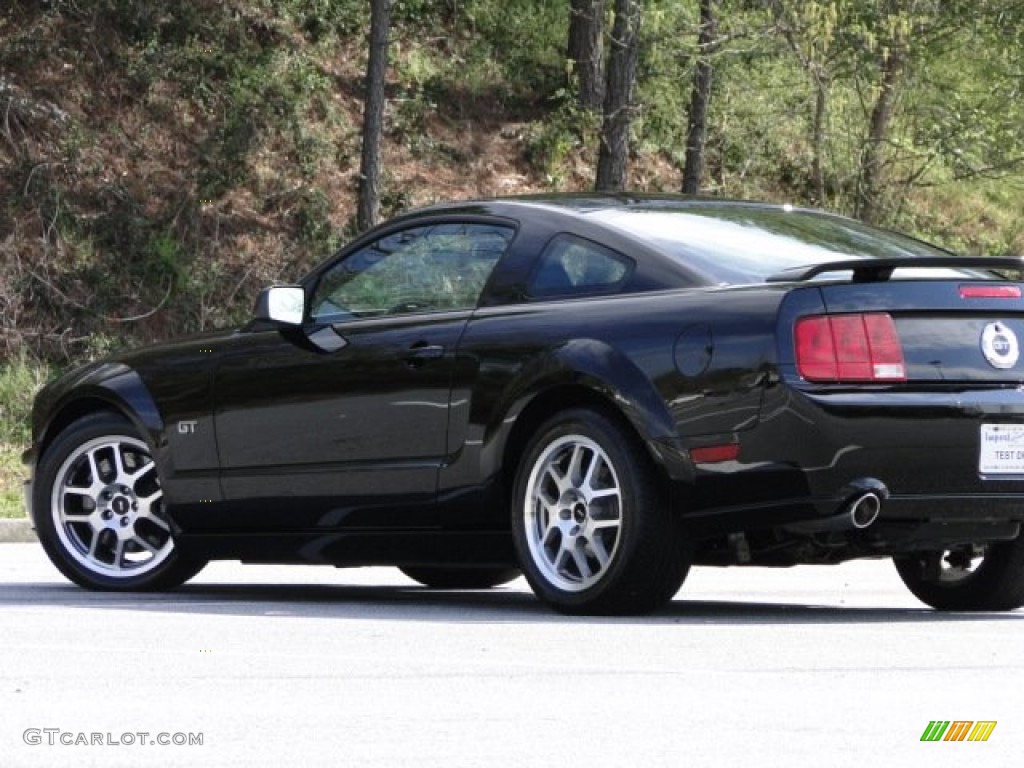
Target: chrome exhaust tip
{"x":861,"y":505}
{"x":864,"y":510}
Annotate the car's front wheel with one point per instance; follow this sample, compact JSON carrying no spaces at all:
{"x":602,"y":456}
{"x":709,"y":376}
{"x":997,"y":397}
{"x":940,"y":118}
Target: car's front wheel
{"x":986,"y":577}
{"x":98,"y":508}
{"x":590,"y":523}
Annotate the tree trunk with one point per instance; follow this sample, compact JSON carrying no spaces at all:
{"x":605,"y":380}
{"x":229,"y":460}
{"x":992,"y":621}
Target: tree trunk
{"x":700,"y":97}
{"x":869,"y":202}
{"x":368,"y":209}
{"x":586,"y":51}
{"x":821,"y":86}
{"x":618,"y":97}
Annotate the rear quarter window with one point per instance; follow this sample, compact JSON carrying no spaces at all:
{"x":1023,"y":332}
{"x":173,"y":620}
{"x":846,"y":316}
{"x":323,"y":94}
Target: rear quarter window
{"x":573,"y":266}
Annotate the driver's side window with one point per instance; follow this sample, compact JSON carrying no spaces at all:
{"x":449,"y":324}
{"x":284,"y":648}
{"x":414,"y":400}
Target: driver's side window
{"x":440,"y":267}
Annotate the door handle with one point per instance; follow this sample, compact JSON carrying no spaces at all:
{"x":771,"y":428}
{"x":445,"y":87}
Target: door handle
{"x":421,"y":352}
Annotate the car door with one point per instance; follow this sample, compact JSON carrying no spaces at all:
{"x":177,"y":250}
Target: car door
{"x":342,"y":423}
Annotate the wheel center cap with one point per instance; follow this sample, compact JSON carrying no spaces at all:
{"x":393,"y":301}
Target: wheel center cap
{"x":579,"y":512}
{"x":121,"y":505}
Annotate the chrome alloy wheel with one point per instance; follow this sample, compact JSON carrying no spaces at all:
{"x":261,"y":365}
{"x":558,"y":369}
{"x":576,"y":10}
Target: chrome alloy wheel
{"x":573,"y":513}
{"x":107,"y":507}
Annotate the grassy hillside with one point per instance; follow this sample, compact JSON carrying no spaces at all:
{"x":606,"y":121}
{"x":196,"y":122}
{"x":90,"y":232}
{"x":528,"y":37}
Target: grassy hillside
{"x":159,"y":163}
{"x":159,"y":169}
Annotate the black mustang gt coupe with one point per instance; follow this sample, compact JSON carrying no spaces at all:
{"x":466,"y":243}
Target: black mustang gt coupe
{"x":597,"y":391}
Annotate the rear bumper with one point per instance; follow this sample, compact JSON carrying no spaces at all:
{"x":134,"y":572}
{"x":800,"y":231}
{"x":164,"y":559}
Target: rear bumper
{"x":810,"y":449}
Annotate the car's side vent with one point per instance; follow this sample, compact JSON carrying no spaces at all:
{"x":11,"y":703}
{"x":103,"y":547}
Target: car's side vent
{"x":849,"y":348}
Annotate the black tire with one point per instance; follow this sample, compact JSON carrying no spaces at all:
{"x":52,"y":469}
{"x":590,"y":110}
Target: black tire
{"x":461,"y":578}
{"x":609,"y":544}
{"x":996,"y":583}
{"x":97,"y":505}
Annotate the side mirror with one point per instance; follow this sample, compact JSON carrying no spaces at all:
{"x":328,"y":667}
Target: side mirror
{"x":284,"y":304}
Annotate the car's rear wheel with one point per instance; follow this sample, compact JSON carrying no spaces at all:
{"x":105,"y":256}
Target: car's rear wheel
{"x":590,"y":523}
{"x":461,"y":578}
{"x":98,"y":508}
{"x":986,"y":577}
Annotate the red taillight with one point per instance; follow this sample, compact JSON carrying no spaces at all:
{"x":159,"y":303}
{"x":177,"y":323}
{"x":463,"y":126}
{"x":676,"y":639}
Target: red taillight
{"x":839,"y":348}
{"x":990,"y":292}
{"x":815,"y":349}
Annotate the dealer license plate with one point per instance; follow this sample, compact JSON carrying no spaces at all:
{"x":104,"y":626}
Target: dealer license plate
{"x":1002,"y":449}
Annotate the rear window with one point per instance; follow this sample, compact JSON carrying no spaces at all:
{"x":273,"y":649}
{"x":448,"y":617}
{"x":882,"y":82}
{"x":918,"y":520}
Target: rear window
{"x":741,"y":244}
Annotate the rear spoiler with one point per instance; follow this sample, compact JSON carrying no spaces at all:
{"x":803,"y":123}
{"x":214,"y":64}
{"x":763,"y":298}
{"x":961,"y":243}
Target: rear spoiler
{"x":874,"y":270}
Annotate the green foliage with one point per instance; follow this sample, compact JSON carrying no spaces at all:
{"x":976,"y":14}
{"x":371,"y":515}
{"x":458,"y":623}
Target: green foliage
{"x":165,"y":260}
{"x":12,"y":473}
{"x":550,"y":143}
{"x":271,"y":92}
{"x":311,"y":219}
{"x":323,"y":19}
{"x":669,"y":33}
{"x":421,"y":13}
{"x":108,"y":255}
{"x":519,"y":43}
{"x":394,"y":198}
{"x":981,"y":217}
{"x":20,"y":378}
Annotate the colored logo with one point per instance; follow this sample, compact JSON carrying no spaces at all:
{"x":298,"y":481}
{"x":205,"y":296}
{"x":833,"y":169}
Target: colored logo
{"x":999,"y":345}
{"x":959,"y":730}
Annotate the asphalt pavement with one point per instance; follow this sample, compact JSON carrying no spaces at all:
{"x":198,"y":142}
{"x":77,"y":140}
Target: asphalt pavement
{"x":304,"y":666}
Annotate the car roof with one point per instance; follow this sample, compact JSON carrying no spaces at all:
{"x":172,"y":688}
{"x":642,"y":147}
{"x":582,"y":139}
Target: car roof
{"x":581,"y":213}
{"x":582,"y":203}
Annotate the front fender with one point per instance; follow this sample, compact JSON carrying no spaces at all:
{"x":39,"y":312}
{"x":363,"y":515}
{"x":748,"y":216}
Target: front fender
{"x":185,"y":458}
{"x":108,"y":384}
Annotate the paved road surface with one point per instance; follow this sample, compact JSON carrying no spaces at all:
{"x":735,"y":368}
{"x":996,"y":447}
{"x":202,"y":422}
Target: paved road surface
{"x":294,"y":666}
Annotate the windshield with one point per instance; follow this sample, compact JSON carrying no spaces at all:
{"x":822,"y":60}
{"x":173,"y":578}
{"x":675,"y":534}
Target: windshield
{"x":738,"y":244}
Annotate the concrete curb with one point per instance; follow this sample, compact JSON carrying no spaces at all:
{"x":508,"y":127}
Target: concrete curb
{"x":16,"y":530}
